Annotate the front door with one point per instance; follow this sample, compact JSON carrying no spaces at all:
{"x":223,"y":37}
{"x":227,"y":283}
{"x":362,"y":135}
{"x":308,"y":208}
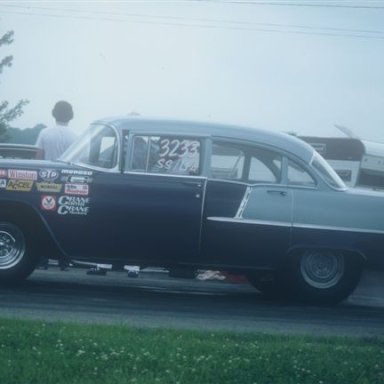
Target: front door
{"x":147,"y":212}
{"x":145,"y":217}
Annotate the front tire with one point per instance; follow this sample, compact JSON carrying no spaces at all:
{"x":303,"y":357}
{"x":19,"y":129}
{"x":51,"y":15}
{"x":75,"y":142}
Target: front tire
{"x":17,"y":259}
{"x":325,"y":276}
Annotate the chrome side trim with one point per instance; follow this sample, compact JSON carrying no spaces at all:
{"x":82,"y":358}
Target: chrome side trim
{"x":286,"y":224}
{"x":243,"y":203}
{"x":250,"y":221}
{"x":169,"y":175}
{"x":340,"y":229}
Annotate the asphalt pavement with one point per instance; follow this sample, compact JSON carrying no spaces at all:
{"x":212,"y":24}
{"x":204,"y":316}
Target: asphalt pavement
{"x":155,"y":300}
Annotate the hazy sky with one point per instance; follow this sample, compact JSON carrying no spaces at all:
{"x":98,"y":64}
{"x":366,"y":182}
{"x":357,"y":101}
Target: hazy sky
{"x":283,"y":65}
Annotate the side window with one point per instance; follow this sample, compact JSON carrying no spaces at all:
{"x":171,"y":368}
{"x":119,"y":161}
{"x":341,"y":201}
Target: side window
{"x":101,"y":150}
{"x":165,"y":154}
{"x":227,"y":161}
{"x":297,"y":175}
{"x":265,"y":166}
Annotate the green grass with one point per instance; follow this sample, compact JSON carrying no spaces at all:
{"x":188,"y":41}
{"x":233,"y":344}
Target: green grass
{"x":44,"y":353}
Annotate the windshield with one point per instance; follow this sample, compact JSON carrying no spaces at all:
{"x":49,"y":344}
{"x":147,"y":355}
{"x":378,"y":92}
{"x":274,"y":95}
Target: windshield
{"x":326,"y":172}
{"x":97,"y":147}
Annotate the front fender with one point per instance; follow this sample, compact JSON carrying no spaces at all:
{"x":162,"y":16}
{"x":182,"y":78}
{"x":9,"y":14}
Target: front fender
{"x":29,"y":217}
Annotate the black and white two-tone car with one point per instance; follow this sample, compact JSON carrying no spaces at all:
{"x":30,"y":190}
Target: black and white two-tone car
{"x":193,"y":195}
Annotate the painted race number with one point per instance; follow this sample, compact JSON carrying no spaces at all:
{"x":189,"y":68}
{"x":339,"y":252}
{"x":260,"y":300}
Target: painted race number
{"x":178,"y":156}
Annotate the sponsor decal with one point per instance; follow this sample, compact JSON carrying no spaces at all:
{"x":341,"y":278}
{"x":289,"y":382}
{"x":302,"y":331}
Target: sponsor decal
{"x":79,"y":172}
{"x":73,"y":205}
{"x":77,"y":179}
{"x":80,"y":179}
{"x":22,"y":174}
{"x":48,"y":203}
{"x":49,"y":174}
{"x":3,"y":183}
{"x":19,"y":185}
{"x":3,"y":173}
{"x":65,"y":179}
{"x":49,"y":187}
{"x":76,"y":189}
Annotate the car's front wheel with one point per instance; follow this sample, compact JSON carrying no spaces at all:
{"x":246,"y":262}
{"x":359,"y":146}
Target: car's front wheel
{"x":325,"y":276}
{"x":17,"y":259}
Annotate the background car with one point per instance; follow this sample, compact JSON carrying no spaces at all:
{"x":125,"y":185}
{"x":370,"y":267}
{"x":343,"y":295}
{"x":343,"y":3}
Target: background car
{"x":20,"y":151}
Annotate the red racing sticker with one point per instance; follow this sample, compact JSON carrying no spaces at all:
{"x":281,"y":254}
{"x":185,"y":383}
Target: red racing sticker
{"x":22,"y":174}
{"x":76,"y":189}
{"x":48,"y":202}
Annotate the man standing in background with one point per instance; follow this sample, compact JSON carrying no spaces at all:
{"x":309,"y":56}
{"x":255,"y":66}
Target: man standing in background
{"x":55,"y":140}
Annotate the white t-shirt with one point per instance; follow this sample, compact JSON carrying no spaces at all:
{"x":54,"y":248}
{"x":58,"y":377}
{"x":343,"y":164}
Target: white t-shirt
{"x":55,"y":140}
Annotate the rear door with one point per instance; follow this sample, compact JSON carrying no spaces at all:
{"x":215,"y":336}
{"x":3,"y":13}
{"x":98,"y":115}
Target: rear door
{"x":247,"y":218}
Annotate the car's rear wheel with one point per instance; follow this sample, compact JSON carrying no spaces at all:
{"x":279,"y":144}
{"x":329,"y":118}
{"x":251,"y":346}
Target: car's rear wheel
{"x":17,"y":259}
{"x":325,"y":276}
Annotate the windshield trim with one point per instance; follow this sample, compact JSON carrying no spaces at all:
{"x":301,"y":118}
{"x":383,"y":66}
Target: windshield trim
{"x":83,"y":140}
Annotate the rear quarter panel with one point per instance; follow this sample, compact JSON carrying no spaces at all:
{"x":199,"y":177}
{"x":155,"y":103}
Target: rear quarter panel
{"x":348,"y":219}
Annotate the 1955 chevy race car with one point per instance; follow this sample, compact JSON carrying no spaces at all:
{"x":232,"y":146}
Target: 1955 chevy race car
{"x":179,"y":194}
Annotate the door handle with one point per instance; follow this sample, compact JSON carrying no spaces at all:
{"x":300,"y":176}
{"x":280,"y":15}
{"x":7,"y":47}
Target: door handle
{"x":274,"y":192}
{"x":197,"y":184}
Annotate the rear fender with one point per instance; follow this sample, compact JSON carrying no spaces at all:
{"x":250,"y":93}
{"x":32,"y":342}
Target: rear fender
{"x":294,"y":251}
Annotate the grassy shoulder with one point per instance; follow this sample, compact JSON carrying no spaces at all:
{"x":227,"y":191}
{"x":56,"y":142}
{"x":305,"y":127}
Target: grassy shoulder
{"x":41,"y":352}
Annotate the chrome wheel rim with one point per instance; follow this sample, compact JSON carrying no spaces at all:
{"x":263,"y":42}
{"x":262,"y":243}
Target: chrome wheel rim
{"x":12,"y":246}
{"x":322,"y":269}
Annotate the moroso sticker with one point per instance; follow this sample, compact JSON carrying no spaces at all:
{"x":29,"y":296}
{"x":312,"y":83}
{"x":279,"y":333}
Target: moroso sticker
{"x":19,"y":185}
{"x":49,"y":187}
{"x":79,"y":172}
{"x":3,"y":183}
{"x":21,"y":174}
{"x":76,"y":189}
{"x":48,"y":203}
{"x":48,"y":174}
{"x":73,"y":205}
{"x":3,"y":173}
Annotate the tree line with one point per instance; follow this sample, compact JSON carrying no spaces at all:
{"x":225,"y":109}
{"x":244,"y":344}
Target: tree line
{"x":10,"y":113}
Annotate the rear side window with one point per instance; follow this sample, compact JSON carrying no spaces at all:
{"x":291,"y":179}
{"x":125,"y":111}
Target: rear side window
{"x":165,"y":155}
{"x":298,"y":176}
{"x":265,"y":166}
{"x":234,"y":161}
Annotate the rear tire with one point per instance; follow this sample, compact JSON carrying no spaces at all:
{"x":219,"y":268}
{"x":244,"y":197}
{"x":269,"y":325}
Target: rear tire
{"x":325,"y":276}
{"x":17,"y":257}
